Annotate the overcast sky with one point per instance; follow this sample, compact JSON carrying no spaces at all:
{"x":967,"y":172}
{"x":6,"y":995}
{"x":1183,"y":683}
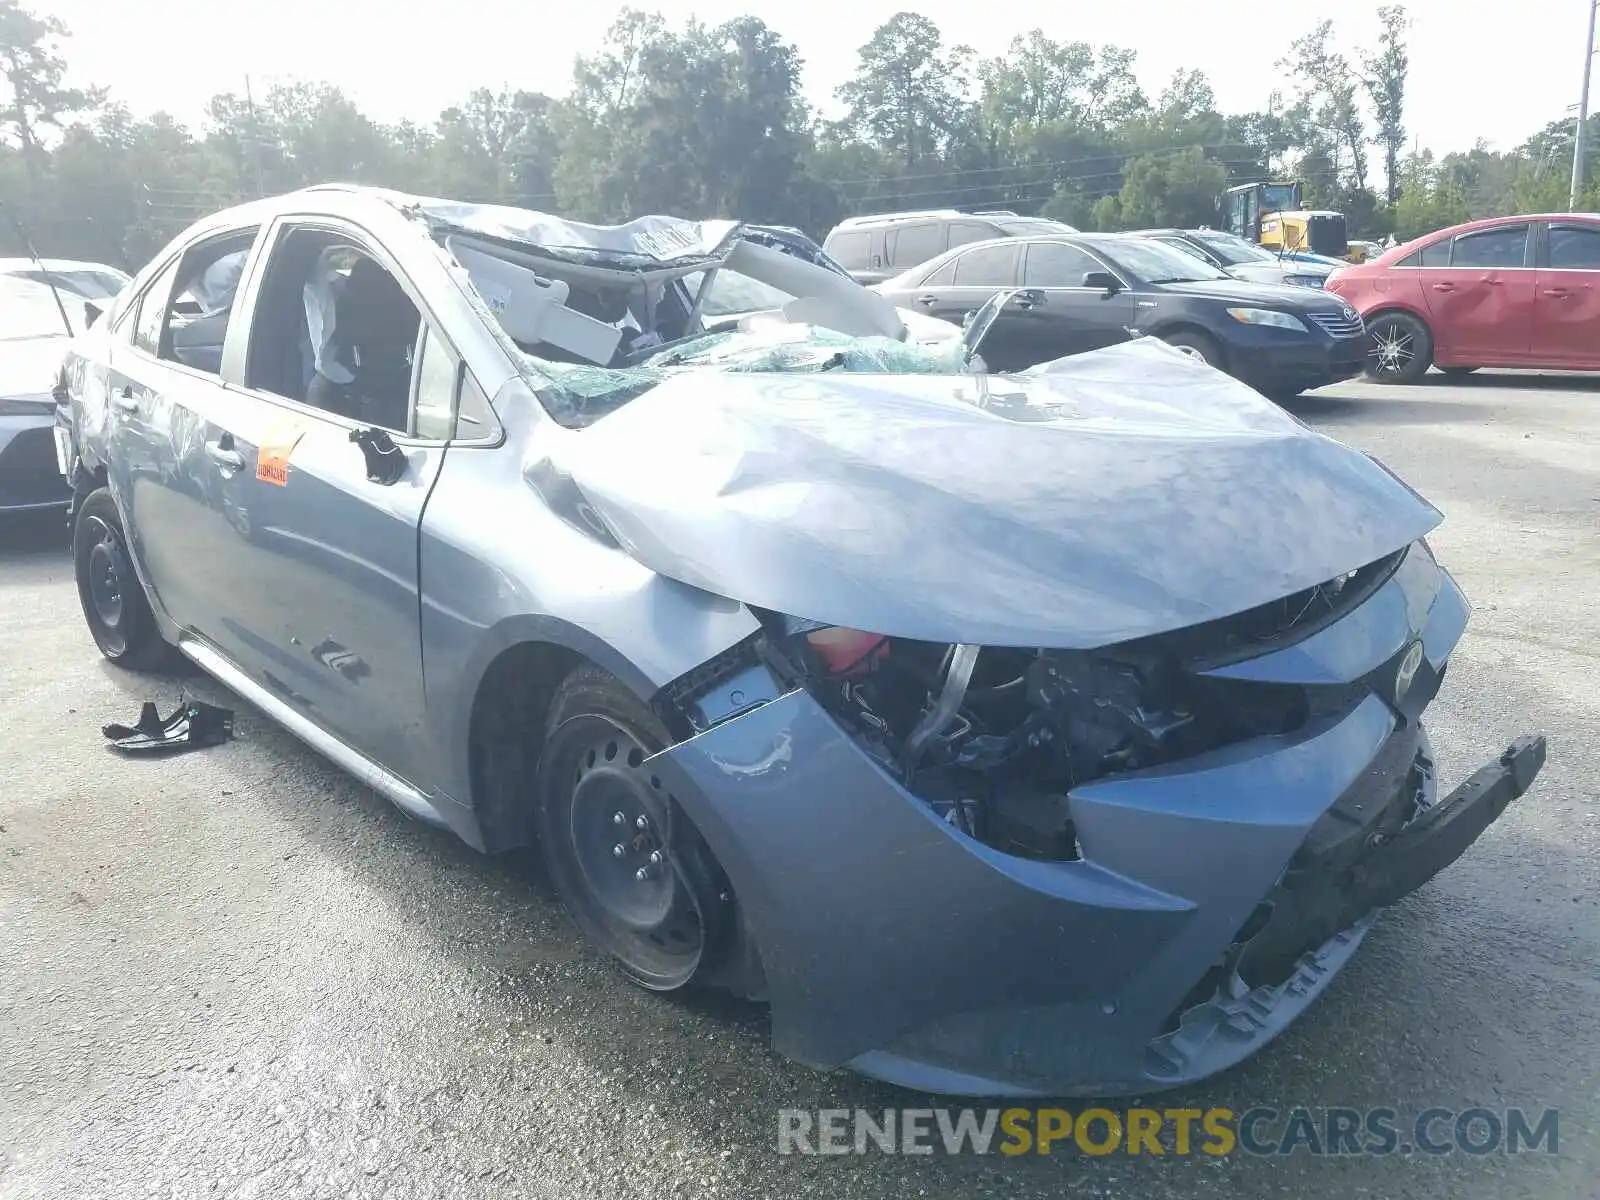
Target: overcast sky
{"x":1497,"y":71}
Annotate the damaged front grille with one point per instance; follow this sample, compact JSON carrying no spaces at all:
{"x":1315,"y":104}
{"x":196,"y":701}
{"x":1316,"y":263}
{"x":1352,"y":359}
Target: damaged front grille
{"x":1277,"y":624}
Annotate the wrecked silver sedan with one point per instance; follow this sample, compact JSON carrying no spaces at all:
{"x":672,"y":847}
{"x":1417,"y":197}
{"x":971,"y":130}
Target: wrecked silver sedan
{"x":1045,"y":734}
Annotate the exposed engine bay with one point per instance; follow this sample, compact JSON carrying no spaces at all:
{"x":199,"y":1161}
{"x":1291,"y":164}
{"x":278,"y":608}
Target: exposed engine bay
{"x":994,"y":738}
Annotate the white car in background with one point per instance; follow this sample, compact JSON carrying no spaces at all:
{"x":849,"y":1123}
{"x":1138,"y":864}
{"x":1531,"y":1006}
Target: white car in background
{"x":86,"y":280}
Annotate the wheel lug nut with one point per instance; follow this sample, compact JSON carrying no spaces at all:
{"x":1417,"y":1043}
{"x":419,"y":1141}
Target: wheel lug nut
{"x":655,"y":856}
{"x":618,"y":850}
{"x":643,"y":822}
{"x":617,"y":818}
{"x":642,"y":874}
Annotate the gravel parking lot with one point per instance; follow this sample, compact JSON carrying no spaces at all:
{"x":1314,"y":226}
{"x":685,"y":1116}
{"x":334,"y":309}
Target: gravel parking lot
{"x":238,"y":973}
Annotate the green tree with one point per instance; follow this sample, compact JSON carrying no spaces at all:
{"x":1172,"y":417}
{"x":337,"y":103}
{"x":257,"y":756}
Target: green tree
{"x":705,"y":121}
{"x":1325,"y":115}
{"x":1172,"y":189}
{"x":908,"y":95}
{"x":36,"y":98}
{"x":1387,"y":69}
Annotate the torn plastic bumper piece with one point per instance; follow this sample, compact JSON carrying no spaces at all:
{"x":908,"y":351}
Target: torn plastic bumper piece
{"x":1344,"y":875}
{"x":193,"y":725}
{"x":896,"y":946}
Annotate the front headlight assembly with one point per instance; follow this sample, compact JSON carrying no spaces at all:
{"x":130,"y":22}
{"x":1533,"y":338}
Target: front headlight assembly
{"x":1267,"y":316}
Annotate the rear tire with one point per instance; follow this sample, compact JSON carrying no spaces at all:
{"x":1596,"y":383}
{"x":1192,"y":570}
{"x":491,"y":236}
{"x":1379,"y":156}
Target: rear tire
{"x":1400,"y":348}
{"x":1196,"y":345}
{"x":114,"y":604}
{"x":630,"y":868}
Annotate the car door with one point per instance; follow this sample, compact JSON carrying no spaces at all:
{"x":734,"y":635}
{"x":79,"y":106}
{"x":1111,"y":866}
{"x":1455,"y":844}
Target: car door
{"x":964,"y":283}
{"x":164,"y":401}
{"x":1060,"y":316}
{"x":1566,"y":307}
{"x":324,"y":548}
{"x":1481,"y":305}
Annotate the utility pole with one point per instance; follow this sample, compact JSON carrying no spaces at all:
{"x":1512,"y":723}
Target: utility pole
{"x":1583,"y":113}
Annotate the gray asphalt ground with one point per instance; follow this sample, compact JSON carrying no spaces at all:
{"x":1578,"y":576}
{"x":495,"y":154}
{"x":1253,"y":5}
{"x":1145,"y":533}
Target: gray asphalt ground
{"x":237,"y":973}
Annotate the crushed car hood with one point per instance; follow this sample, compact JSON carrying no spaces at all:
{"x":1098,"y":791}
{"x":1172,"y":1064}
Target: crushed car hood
{"x":1099,"y":498}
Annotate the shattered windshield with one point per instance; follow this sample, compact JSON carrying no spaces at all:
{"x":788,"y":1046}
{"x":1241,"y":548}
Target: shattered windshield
{"x":591,"y":336}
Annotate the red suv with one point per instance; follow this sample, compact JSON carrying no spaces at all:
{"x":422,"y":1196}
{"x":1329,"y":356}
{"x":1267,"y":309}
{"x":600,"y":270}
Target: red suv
{"x":1506,"y":292}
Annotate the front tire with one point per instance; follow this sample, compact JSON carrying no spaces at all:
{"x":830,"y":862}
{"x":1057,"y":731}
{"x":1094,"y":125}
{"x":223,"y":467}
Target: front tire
{"x":629,"y":866}
{"x":1400,"y":348}
{"x":1196,"y":345}
{"x":114,"y":604}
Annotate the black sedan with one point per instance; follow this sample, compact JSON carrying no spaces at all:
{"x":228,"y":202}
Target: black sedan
{"x":1084,"y":291}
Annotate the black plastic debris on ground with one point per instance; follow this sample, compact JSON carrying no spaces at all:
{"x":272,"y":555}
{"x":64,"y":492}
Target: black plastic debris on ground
{"x":193,"y":725}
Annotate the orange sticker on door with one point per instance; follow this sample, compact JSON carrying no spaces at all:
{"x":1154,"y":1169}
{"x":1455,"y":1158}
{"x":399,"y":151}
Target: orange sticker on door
{"x":272,"y":459}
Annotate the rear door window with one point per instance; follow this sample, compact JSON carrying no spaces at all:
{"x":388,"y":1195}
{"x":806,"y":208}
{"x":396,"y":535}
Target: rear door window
{"x":988,"y":266}
{"x":913,"y":244}
{"x":962,"y":232}
{"x":852,"y":251}
{"x":1491,"y":248}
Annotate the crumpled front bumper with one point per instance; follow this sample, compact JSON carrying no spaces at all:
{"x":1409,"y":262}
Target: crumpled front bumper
{"x":1213,"y":901}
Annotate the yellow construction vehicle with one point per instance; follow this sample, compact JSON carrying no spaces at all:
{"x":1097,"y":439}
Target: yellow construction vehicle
{"x":1274,"y":215}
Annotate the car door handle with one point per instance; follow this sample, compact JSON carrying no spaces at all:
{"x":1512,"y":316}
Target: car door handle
{"x":1444,"y":287}
{"x":1558,"y":293}
{"x":927,"y":301}
{"x":229,"y":460}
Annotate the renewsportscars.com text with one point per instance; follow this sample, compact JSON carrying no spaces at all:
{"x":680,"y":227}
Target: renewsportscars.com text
{"x":1217,"y":1132}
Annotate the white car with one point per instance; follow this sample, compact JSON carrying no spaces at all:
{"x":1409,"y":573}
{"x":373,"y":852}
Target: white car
{"x":86,"y":280}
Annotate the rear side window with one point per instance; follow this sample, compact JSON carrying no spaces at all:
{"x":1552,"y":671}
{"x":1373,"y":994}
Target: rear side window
{"x":852,"y":251}
{"x":1575,"y":247}
{"x":962,"y":232}
{"x":944,"y":276}
{"x":1507,"y":247}
{"x":988,"y":266}
{"x":913,"y":244}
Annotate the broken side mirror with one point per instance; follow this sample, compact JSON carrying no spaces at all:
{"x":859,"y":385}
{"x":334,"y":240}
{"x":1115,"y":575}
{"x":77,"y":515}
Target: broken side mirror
{"x":386,"y":462}
{"x":1102,"y":281}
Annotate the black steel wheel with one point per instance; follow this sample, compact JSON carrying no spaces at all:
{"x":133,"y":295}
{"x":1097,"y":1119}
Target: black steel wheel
{"x":1400,"y":348}
{"x":114,"y":604}
{"x":627,"y":863}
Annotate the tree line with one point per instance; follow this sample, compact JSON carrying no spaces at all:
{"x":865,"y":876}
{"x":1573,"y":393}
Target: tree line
{"x":711,"y":120}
